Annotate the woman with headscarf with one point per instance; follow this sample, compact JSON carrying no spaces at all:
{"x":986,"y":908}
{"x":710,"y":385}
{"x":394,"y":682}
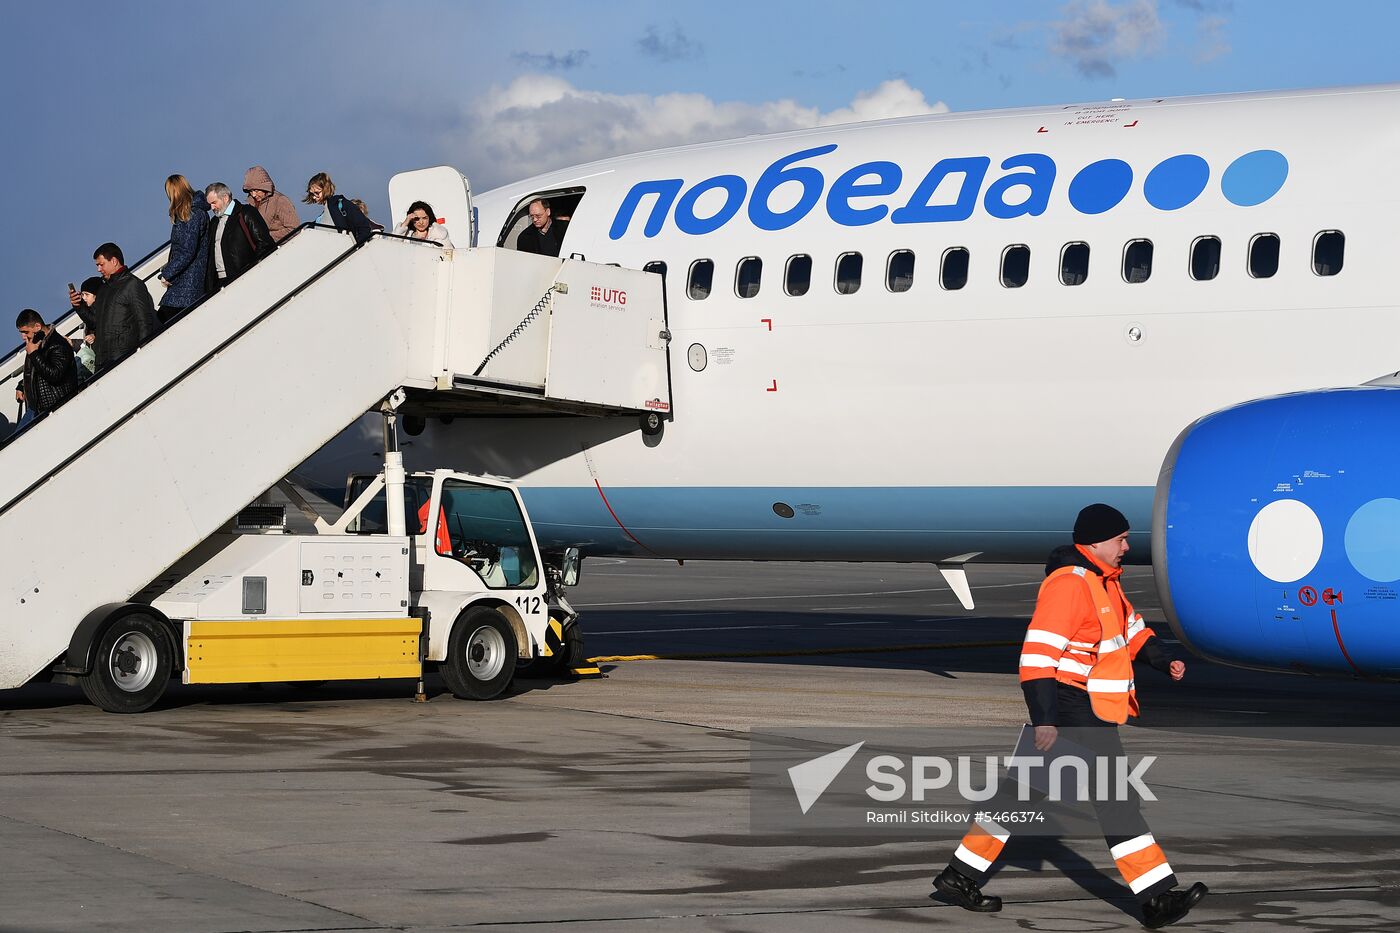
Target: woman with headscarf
{"x":276,"y":208}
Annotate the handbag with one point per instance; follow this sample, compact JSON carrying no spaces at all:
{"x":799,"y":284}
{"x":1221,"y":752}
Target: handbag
{"x":87,"y":360}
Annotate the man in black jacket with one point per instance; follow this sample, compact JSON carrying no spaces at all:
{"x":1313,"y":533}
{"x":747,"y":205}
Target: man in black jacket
{"x":124,"y":313}
{"x":545,"y":235}
{"x":50,"y":378}
{"x":240,"y":238}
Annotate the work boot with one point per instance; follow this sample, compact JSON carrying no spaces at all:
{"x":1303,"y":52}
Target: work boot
{"x":964,"y":892}
{"x":1171,"y":906}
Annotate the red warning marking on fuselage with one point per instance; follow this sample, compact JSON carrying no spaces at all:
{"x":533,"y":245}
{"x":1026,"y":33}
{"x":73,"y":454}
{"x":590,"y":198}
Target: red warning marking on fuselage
{"x":1042,"y":130}
{"x":766,"y":320}
{"x":1329,"y":597}
{"x":1337,"y":631}
{"x":1128,"y":126}
{"x":773,"y":387}
{"x":608,"y":506}
{"x":1307,"y":596}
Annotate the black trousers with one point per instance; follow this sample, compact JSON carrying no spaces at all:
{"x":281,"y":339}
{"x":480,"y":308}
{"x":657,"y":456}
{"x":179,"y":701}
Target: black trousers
{"x":1140,"y":861}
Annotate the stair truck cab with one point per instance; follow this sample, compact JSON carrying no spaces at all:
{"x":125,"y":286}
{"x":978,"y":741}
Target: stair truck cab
{"x":426,"y":570}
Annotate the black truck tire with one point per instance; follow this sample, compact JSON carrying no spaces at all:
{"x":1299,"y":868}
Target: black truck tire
{"x":481,"y":655}
{"x":131,"y":665}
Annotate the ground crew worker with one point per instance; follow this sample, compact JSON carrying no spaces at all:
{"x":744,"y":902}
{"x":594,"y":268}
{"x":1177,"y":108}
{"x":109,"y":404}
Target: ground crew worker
{"x":441,"y":539}
{"x":1077,"y":671}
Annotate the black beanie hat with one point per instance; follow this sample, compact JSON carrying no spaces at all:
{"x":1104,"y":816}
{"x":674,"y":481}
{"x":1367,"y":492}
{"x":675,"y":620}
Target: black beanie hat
{"x":1098,"y":522}
{"x":92,"y":285}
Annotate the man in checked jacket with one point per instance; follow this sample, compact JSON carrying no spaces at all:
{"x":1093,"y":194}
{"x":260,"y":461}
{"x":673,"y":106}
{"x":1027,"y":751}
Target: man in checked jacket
{"x":1077,"y":671}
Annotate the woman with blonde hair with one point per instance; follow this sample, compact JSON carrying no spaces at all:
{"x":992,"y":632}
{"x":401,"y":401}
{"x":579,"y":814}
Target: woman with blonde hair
{"x":183,"y":274}
{"x":340,"y":211}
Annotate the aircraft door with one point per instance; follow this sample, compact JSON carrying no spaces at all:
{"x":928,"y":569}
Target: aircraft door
{"x":446,"y":190}
{"x":563,"y":202}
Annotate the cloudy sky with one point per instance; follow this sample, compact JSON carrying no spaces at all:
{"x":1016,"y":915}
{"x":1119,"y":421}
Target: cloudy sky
{"x":104,"y":99}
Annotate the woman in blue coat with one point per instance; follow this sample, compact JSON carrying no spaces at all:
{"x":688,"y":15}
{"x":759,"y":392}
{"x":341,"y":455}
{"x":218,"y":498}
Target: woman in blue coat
{"x":183,"y":275}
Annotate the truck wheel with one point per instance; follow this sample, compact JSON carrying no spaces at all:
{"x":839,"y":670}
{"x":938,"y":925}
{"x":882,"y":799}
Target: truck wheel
{"x":131,"y":666}
{"x":480,"y":655}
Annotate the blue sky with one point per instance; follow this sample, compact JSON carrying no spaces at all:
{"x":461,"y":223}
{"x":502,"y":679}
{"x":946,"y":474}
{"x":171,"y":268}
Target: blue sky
{"x":103,"y":100}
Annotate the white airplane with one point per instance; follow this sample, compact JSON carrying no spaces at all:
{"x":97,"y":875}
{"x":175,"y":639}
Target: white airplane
{"x":939,"y":336}
{"x":931,"y":339}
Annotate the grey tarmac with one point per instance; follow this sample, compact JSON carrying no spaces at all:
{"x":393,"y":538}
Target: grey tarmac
{"x":620,"y":803}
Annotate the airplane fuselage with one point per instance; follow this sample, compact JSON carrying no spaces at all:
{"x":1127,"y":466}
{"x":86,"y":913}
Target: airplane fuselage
{"x":896,"y":417}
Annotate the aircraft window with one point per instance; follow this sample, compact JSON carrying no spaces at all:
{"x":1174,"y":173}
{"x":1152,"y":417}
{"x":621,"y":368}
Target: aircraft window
{"x":1137,"y":261}
{"x":899,"y":273}
{"x":702,"y":276}
{"x":848,"y":266}
{"x":1263,"y":255}
{"x":953,"y":274}
{"x":748,"y":276}
{"x":1015,"y":265}
{"x":1074,"y":263}
{"x":1205,"y":258}
{"x":1327,"y":252}
{"x":799,"y":275}
{"x":658,"y":267}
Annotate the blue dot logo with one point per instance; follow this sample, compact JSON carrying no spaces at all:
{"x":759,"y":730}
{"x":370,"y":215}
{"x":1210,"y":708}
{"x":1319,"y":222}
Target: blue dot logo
{"x":1176,"y":182}
{"x":1100,"y":185}
{"x":1254,"y":177}
{"x":1373,"y":540}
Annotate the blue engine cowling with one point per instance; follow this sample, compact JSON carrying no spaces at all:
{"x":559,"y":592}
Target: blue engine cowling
{"x":1276,"y":533}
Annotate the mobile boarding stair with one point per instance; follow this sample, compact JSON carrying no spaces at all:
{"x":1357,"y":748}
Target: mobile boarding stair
{"x":102,"y":496}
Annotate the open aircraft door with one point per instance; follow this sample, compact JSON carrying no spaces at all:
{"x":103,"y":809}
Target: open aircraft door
{"x":446,"y":189}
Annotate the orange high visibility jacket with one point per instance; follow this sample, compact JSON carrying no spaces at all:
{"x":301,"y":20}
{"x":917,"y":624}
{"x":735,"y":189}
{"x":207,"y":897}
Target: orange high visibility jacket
{"x":1086,"y":634}
{"x":443,"y":540}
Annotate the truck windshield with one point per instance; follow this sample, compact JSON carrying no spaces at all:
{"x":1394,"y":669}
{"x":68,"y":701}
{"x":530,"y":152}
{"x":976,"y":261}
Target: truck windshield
{"x":488,"y":533}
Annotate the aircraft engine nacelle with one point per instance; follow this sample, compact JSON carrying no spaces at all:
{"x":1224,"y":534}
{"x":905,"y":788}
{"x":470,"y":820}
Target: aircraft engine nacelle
{"x":1276,"y":533}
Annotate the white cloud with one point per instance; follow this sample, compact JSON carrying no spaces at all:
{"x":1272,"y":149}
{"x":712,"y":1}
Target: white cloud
{"x":1095,"y":35}
{"x":890,"y":99}
{"x":542,"y":122}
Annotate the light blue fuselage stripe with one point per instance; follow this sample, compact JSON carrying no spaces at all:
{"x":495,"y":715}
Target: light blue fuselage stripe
{"x":832,"y":523}
{"x":920,"y":523}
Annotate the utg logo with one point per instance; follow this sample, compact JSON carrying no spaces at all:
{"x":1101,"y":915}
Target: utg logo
{"x":607,"y":296}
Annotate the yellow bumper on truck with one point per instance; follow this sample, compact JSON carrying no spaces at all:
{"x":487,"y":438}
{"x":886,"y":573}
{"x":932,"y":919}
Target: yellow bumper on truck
{"x":290,"y":650}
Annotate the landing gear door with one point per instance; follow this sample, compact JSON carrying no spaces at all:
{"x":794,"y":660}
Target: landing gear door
{"x":444,"y":189}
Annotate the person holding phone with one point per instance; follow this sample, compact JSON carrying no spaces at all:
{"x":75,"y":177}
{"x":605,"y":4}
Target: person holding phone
{"x":49,"y":379}
{"x":84,"y":301}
